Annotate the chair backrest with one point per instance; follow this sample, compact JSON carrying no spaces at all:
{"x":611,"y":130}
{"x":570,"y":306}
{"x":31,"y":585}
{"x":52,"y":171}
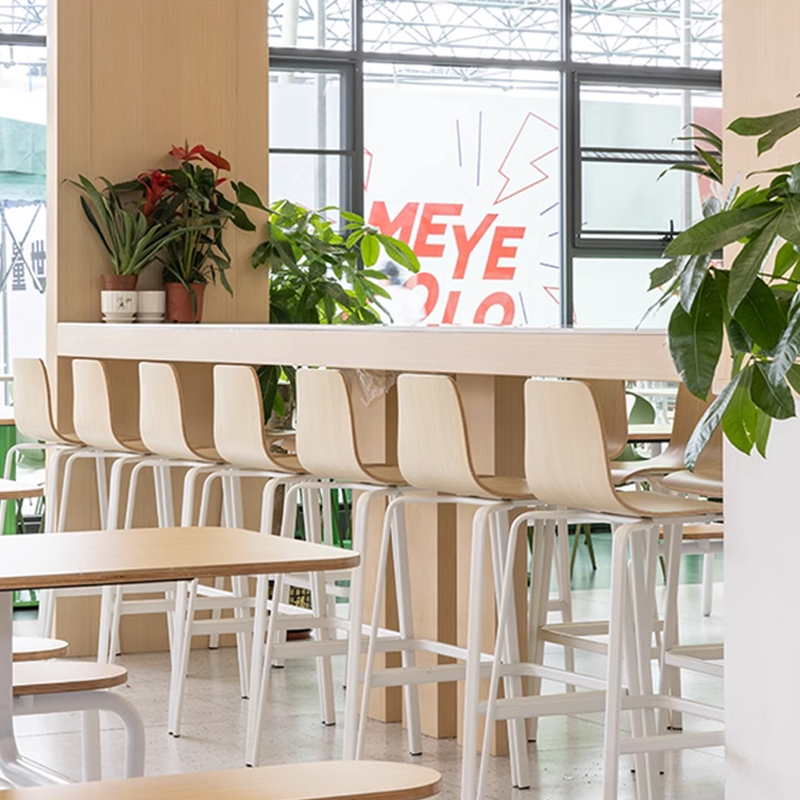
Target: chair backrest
{"x":239,"y":429}
{"x":91,"y":405}
{"x":161,"y":423}
{"x":688,"y":410}
{"x":432,"y":443}
{"x":566,"y":456}
{"x":33,"y":409}
{"x":610,"y":397}
{"x":326,"y":437}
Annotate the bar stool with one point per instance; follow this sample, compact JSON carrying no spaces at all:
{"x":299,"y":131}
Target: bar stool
{"x":327,"y":449}
{"x":163,"y":431}
{"x":566,"y":465}
{"x":434,"y":456}
{"x":241,"y":441}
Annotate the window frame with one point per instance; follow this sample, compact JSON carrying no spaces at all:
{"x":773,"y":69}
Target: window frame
{"x":573,"y":74}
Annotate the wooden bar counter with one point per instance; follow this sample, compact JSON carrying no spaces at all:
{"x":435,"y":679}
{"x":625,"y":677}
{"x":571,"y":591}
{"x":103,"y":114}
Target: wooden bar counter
{"x":490,"y":365}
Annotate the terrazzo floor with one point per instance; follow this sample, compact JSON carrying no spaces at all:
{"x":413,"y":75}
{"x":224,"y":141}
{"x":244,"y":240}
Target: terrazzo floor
{"x":565,"y":763}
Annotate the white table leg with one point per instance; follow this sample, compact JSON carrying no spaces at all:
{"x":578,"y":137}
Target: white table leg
{"x":14,"y":768}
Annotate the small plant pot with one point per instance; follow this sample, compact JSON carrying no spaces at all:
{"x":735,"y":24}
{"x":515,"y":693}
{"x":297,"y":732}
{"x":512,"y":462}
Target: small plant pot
{"x":179,"y":302}
{"x":119,"y":283}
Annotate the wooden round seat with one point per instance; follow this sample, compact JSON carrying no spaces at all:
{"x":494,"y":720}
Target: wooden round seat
{"x":322,"y":780}
{"x":37,"y":648}
{"x":58,"y":676}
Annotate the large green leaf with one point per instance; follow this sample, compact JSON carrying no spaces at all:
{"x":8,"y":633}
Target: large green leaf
{"x":760,"y":315}
{"x":787,"y":349}
{"x":789,"y":221}
{"x":748,"y":262}
{"x":740,"y":418}
{"x":762,"y":432}
{"x":713,"y":233}
{"x":695,"y":339}
{"x":774,"y":397}
{"x":793,"y":376}
{"x":785,"y":259}
{"x":692,"y":279}
{"x":709,"y":422}
{"x":660,"y":275}
{"x":771,"y":128}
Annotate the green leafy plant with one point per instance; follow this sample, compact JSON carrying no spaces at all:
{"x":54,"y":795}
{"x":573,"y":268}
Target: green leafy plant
{"x":320,"y":275}
{"x":131,"y":238}
{"x":754,"y":304}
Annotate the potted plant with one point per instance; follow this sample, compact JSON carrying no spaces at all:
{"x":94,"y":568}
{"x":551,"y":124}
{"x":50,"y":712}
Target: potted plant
{"x":190,"y":196}
{"x":754,"y":304}
{"x":129,"y":234}
{"x":317,"y":278}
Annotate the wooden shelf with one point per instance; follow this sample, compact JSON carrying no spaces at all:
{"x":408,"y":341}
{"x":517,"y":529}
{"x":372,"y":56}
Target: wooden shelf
{"x":465,"y":350}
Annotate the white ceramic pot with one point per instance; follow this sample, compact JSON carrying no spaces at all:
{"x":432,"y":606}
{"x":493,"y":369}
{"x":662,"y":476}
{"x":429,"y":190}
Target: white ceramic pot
{"x":118,"y":306}
{"x":152,"y":306}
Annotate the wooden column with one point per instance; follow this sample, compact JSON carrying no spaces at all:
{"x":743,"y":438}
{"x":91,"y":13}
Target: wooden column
{"x":127,"y":79}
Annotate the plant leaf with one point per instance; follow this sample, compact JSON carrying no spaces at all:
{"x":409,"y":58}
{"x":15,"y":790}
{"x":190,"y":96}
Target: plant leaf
{"x":691,"y":280}
{"x":785,"y":259}
{"x":740,"y":418}
{"x":763,"y":427}
{"x":370,"y":250}
{"x":760,"y":316}
{"x":747,"y":264}
{"x":709,"y":422}
{"x":773,"y":397}
{"x":695,"y":339}
{"x":787,"y":349}
{"x":660,"y":275}
{"x":715,"y":232}
{"x":773,"y":127}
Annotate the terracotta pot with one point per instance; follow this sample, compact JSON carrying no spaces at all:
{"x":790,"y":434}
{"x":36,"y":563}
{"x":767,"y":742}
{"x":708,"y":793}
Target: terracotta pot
{"x":119,"y":283}
{"x":179,"y":302}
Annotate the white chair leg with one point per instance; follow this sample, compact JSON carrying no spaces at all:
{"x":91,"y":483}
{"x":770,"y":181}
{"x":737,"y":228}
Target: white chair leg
{"x":90,"y":738}
{"x":498,"y":538}
{"x":708,"y":584}
{"x":319,"y":602}
{"x":387,"y":534}
{"x":406,"y":624}
{"x":178,"y":688}
{"x":474,"y":642}
{"x":352,"y":681}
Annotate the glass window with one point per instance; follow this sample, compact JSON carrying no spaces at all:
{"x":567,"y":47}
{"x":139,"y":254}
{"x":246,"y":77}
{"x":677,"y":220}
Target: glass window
{"x":310,"y":180}
{"x":305,"y":110}
{"x":23,"y":117}
{"x":503,"y":29}
{"x":474,"y":190}
{"x":629,"y":137}
{"x":23,"y":17}
{"x":318,"y":24}
{"x":648,"y":32}
{"x":613,"y":293}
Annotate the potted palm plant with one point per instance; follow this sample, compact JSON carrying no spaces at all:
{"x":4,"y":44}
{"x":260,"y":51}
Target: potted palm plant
{"x":753,"y":304}
{"x":321,"y":276}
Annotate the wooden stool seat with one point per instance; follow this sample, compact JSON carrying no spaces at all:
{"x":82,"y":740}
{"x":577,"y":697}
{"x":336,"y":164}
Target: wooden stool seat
{"x":37,"y":648}
{"x":697,"y":533}
{"x":324,"y":780}
{"x":16,"y":490}
{"x":54,"y":677}
{"x":704,"y":484}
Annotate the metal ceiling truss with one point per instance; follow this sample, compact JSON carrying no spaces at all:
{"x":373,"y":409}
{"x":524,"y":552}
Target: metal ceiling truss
{"x":635,"y":32}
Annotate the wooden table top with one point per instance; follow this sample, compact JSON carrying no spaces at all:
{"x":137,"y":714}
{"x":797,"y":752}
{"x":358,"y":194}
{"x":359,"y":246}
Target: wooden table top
{"x":156,"y":554}
{"x":326,"y":780}
{"x":649,"y":433}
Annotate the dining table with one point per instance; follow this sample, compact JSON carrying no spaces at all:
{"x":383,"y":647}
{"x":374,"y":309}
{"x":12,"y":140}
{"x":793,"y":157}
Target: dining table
{"x":98,"y":558}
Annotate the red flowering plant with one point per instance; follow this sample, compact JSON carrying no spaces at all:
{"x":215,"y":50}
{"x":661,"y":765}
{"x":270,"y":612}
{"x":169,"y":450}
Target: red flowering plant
{"x":191,"y":197}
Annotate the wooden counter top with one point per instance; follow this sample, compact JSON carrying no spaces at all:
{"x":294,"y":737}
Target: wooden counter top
{"x":641,"y":355}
